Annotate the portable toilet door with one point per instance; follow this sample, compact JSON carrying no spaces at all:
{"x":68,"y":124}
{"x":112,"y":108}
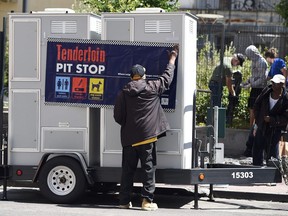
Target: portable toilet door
{"x":174,"y":150}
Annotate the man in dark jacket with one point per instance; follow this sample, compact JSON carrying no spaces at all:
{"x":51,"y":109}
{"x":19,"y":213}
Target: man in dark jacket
{"x":142,"y":119}
{"x":271,"y":116}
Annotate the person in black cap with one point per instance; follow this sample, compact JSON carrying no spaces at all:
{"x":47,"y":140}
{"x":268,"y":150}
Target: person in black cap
{"x":137,"y":72}
{"x":222,"y":76}
{"x":142,"y":119}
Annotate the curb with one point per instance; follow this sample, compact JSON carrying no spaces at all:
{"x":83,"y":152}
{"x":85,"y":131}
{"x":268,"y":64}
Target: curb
{"x":251,"y":196}
{"x":218,"y":193}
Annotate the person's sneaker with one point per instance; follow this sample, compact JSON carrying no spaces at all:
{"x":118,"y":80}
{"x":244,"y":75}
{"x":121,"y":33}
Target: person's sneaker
{"x":127,"y":206}
{"x":148,"y":206}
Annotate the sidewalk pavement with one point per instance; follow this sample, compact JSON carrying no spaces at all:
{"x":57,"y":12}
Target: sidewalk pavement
{"x":261,"y":192}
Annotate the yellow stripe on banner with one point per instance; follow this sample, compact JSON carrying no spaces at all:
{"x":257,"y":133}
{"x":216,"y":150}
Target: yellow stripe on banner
{"x":154,"y":139}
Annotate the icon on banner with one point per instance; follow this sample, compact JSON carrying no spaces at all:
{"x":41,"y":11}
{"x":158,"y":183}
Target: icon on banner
{"x":62,"y":87}
{"x":96,"y":89}
{"x":79,"y":88}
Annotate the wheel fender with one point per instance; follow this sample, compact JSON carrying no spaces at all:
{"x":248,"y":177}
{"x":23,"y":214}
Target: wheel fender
{"x":75,"y":155}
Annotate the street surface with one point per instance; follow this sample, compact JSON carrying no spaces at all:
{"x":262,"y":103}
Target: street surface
{"x":171,"y":201}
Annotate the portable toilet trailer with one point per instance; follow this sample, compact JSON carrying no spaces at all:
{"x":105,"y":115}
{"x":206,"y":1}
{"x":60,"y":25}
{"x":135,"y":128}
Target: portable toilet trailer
{"x":154,"y":25}
{"x":64,"y":147}
{"x":34,"y":127}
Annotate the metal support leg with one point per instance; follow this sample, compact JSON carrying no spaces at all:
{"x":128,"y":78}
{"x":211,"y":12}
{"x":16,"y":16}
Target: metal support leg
{"x":211,"y":196}
{"x":5,"y":162}
{"x":3,"y":136}
{"x":4,"y":194}
{"x":196,"y":197}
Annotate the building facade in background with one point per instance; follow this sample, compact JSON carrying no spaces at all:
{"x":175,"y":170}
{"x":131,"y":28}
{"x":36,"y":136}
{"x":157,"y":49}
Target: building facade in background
{"x":245,"y":22}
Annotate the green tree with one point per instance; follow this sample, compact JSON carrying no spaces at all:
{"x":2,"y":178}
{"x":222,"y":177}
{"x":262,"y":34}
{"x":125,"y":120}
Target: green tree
{"x":282,"y":9}
{"x":98,"y":6}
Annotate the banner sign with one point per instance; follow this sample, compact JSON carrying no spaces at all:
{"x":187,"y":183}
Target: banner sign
{"x":92,"y":72}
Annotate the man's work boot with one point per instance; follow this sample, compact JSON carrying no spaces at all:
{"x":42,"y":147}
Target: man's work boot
{"x":126,"y":206}
{"x":148,"y":206}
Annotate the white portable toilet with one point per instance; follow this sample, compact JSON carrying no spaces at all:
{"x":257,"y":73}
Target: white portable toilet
{"x":146,"y":25}
{"x":34,"y":127}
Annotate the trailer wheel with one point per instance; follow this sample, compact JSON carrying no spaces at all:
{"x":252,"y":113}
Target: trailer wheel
{"x":62,"y":180}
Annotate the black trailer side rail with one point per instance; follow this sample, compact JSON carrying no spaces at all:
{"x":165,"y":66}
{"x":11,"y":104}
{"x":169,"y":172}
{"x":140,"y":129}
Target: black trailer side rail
{"x":214,"y":175}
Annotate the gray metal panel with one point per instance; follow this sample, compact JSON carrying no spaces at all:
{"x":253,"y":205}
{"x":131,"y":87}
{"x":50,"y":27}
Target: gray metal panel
{"x":119,"y":29}
{"x":157,"y":28}
{"x":25,"y":32}
{"x":112,"y":140}
{"x":57,"y":116}
{"x":24,"y":158}
{"x":64,"y":139}
{"x":170,"y":143}
{"x":65,"y":27}
{"x":24,"y":126}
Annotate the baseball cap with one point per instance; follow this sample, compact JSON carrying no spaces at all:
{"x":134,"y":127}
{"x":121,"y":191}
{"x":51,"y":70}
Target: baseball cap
{"x":240,"y":58}
{"x":278,"y":78}
{"x":137,"y":70}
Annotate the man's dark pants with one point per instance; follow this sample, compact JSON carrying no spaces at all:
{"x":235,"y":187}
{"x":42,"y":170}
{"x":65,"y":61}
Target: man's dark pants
{"x":217,"y":92}
{"x":249,"y":143}
{"x":130,"y":157}
{"x":268,"y":142}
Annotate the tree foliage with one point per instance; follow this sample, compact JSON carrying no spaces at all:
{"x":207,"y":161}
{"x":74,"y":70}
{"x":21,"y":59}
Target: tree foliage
{"x":6,"y":66}
{"x":98,"y":6}
{"x":282,"y":9}
{"x":208,"y":57}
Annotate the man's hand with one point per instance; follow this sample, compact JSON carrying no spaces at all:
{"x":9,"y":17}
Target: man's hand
{"x":255,"y":127}
{"x":267,"y":118}
{"x":174,"y":52}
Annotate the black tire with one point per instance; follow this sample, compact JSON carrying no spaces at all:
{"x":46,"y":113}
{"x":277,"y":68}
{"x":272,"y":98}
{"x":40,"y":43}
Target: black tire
{"x":62,"y":180}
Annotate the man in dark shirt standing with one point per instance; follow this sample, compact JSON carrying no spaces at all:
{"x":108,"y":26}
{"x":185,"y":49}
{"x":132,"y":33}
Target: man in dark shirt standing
{"x":138,"y":110}
{"x":222,"y":76}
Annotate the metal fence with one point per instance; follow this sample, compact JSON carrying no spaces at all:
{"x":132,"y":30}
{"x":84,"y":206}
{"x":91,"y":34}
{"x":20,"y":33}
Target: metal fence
{"x":242,"y":36}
